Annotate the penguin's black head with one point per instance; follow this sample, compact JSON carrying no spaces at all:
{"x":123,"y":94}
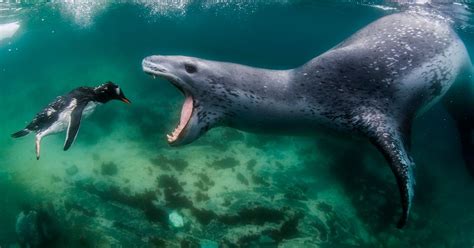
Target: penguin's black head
{"x":109,"y":91}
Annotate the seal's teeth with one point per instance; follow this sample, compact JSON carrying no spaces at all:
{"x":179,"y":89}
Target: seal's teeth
{"x":173,"y":136}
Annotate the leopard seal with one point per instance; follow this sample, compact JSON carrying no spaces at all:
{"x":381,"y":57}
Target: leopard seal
{"x":373,"y":84}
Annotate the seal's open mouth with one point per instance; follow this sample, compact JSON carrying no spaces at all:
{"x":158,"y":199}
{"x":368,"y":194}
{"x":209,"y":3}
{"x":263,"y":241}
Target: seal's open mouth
{"x":186,"y":113}
{"x":188,"y":105}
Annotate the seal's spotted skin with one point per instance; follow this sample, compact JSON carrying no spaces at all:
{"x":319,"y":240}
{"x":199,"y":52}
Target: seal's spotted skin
{"x":373,"y":84}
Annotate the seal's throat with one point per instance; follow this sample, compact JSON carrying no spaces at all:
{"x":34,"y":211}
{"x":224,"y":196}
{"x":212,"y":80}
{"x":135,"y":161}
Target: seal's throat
{"x":187,"y":110}
{"x":186,"y":113}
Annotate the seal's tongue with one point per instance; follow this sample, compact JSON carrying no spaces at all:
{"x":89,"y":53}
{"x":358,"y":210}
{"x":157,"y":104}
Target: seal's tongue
{"x":186,"y":113}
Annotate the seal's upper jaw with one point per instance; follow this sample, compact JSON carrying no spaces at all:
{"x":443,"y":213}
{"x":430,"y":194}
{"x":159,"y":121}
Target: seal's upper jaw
{"x":160,"y":66}
{"x":159,"y":70}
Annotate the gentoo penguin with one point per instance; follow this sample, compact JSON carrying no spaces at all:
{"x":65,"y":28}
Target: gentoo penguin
{"x":66,"y":112}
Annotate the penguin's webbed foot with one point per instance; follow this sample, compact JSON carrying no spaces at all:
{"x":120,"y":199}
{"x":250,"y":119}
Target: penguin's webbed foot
{"x":38,"y":147}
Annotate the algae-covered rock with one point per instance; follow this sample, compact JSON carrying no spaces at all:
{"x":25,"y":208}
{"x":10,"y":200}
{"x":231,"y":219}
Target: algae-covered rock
{"x":72,"y":170}
{"x":36,"y":228}
{"x":115,"y":219}
{"x":108,"y":169}
{"x":224,"y":163}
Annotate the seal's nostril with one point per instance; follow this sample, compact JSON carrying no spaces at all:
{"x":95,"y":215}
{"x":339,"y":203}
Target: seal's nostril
{"x":154,"y":58}
{"x":151,"y":59}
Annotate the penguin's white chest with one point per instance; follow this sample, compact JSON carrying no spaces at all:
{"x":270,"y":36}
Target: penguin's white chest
{"x":64,"y":117}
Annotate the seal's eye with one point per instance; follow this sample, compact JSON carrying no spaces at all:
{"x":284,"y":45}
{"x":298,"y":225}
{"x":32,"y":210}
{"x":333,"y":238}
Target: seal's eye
{"x":190,"y":68}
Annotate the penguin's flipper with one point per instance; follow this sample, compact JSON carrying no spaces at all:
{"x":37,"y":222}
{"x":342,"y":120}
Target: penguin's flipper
{"x":73,"y":127}
{"x":393,"y":141}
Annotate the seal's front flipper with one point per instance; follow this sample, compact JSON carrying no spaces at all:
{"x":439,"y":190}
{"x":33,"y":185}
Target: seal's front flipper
{"x":73,"y":127}
{"x":393,"y":142}
{"x":394,"y":151}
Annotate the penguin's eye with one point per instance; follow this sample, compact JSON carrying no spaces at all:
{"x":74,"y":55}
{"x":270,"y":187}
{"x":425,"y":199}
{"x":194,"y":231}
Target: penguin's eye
{"x":117,"y":90}
{"x":190,"y":68}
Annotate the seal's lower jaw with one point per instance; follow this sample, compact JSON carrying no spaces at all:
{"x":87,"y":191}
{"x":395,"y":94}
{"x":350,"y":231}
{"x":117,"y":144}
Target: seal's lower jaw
{"x":176,"y":137}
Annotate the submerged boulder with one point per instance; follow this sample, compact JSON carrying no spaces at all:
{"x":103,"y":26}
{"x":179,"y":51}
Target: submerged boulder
{"x":72,"y":170}
{"x":35,"y":228}
{"x":108,"y":169}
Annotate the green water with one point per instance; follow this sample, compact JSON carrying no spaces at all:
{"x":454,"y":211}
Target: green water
{"x":120,"y":181}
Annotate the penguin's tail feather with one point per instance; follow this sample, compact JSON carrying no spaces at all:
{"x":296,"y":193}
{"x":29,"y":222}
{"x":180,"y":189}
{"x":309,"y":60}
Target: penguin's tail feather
{"x":21,"y":133}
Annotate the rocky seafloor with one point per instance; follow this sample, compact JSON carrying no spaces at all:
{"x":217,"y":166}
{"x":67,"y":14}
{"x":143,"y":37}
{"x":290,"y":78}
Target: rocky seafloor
{"x":229,"y":189}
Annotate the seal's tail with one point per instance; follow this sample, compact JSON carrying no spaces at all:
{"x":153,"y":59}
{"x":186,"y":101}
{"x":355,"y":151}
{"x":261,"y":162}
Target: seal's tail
{"x":21,"y":133}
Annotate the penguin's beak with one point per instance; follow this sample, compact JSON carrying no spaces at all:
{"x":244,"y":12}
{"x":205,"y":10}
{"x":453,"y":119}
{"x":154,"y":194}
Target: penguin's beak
{"x":125,"y":100}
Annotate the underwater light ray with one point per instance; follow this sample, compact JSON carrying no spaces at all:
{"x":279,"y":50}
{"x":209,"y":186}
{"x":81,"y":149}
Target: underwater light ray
{"x":8,"y":30}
